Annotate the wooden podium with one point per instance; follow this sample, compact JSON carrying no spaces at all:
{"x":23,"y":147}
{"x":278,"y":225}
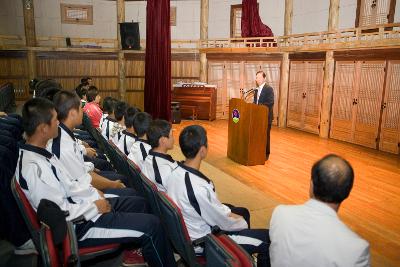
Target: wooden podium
{"x":247,"y":132}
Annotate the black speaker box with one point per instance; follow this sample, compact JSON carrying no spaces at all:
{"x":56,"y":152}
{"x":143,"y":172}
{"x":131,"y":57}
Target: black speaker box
{"x":130,"y":37}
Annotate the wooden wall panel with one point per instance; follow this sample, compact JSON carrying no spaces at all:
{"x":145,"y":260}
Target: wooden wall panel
{"x":390,"y":127}
{"x":15,"y":70}
{"x":135,"y":98}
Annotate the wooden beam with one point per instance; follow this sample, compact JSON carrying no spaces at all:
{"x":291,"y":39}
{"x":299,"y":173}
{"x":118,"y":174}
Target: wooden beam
{"x":203,"y":36}
{"x":29,"y":22}
{"x":288,"y":17}
{"x":327,"y":93}
{"x":284,"y":90}
{"x":333,"y":22}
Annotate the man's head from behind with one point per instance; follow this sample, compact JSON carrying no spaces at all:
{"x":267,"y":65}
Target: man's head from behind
{"x":129,"y":116}
{"x":39,"y":118}
{"x":92,"y":94}
{"x":193,"y":141}
{"x":160,"y":135}
{"x":141,"y":123}
{"x":332,"y":179}
{"x":68,"y":107}
{"x":120,"y":111}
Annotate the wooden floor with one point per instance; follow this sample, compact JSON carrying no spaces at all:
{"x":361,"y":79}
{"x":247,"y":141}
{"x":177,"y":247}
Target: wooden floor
{"x":373,"y":208}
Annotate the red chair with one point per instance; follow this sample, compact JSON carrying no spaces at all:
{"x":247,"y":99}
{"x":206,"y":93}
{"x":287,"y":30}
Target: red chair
{"x":42,"y":239}
{"x":221,"y":250}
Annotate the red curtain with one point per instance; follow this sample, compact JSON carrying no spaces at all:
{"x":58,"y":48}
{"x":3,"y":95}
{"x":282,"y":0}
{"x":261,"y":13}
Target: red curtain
{"x":252,"y":25}
{"x":157,"y":83}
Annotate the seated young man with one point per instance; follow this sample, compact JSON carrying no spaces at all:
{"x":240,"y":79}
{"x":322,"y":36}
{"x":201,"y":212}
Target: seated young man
{"x":69,"y":151}
{"x":92,"y":108}
{"x":110,"y":126}
{"x":128,"y":136}
{"x":81,"y":92}
{"x":117,"y":220}
{"x":158,"y":165}
{"x":108,"y":108}
{"x":119,"y":127}
{"x":195,"y":194}
{"x":140,"y":149}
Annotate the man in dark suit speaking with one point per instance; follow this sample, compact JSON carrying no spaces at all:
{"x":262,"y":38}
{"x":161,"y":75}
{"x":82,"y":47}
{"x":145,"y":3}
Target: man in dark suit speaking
{"x":264,"y":95}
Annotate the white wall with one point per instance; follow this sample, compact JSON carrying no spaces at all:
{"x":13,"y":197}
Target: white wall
{"x":48,"y":19}
{"x":308,"y":16}
{"x":11,"y":17}
{"x":187,"y":18}
{"x":271,"y":12}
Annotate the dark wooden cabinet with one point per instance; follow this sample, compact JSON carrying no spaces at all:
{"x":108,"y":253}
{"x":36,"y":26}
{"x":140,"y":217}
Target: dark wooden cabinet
{"x":199,"y":101}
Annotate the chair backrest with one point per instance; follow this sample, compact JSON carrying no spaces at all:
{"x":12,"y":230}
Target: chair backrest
{"x":176,"y":228}
{"x":134,"y":176}
{"x":28,"y":213}
{"x":150,"y":190}
{"x":221,"y":250}
{"x":41,"y":235}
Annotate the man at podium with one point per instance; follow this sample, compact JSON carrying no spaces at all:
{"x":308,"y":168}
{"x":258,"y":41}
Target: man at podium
{"x":264,"y":95}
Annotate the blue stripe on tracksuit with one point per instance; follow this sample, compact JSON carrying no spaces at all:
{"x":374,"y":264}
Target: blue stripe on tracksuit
{"x":128,"y":223}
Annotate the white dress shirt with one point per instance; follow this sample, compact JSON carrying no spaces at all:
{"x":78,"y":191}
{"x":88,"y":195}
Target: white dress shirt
{"x":312,"y":235}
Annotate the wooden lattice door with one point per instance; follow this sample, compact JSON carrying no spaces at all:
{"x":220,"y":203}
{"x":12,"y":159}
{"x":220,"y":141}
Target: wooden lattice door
{"x":343,"y":101}
{"x":368,"y":103}
{"x":216,"y":77}
{"x":356,"y":102}
{"x":390,"y":127}
{"x":296,"y":93}
{"x":305,"y":90}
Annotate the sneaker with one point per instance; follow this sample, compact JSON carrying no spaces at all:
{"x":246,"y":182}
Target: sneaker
{"x":26,"y":249}
{"x":133,"y":258}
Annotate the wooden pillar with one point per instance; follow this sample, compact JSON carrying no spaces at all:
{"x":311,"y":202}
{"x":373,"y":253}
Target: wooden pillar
{"x":120,"y":19}
{"x":121,"y":76}
{"x":31,"y":57}
{"x":29,"y":22}
{"x":333,"y":22}
{"x":327,"y":94}
{"x":284,"y":90}
{"x":203,"y":36}
{"x":121,"y":55}
{"x":287,"y":30}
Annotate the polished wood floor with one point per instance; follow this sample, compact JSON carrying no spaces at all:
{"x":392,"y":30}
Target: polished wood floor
{"x":373,"y":208}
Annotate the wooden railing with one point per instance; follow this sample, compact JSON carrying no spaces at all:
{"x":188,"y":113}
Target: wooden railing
{"x":385,"y":34}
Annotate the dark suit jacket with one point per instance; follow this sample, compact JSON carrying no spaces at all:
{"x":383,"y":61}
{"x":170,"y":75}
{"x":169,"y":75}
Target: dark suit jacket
{"x":267,"y":99}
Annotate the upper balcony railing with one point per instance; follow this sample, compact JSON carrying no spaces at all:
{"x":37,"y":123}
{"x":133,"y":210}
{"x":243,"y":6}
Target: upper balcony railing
{"x":380,"y":35}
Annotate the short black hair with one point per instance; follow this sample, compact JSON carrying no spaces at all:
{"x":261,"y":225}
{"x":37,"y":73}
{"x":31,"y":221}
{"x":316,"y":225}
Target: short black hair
{"x":64,"y":101}
{"x":81,"y":91}
{"x":109,"y":104}
{"x":120,"y":110}
{"x":158,"y":128}
{"x":35,"y":112}
{"x":130,"y":114}
{"x":141,"y":123}
{"x":332,"y":179}
{"x":47,"y":88}
{"x":92,"y":93}
{"x":85,"y":80}
{"x":263,"y":73}
{"x":191,"y":139}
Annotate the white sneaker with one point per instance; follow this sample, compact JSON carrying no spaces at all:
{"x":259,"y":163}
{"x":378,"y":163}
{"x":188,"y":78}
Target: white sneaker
{"x":26,"y":249}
